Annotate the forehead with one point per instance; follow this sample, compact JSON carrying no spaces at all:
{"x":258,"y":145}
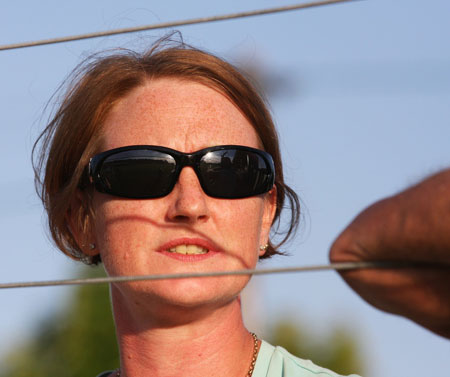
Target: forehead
{"x":178,"y":114}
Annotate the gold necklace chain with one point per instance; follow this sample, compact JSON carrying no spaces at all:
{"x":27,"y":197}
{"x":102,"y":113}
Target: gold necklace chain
{"x":252,"y":364}
{"x":255,"y":354}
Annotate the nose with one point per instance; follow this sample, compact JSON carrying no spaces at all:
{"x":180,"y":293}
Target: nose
{"x":188,"y":200}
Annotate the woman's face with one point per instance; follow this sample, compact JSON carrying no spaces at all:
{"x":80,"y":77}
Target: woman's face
{"x":150,"y":236}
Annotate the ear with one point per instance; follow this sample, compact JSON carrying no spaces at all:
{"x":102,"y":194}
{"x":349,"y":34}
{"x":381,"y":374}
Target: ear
{"x":270,"y":207}
{"x":81,"y":225}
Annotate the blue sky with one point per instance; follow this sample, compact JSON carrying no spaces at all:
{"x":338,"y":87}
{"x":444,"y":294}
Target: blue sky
{"x":366,"y":113}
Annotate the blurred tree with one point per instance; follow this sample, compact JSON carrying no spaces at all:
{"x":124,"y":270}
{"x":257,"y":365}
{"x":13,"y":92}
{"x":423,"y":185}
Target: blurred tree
{"x":337,"y":350}
{"x":77,"y":341}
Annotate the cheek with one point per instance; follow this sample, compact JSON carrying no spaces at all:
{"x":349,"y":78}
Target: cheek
{"x":123,"y":229}
{"x":242,"y":223}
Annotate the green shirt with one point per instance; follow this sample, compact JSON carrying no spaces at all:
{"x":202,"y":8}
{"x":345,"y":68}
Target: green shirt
{"x":277,"y":362}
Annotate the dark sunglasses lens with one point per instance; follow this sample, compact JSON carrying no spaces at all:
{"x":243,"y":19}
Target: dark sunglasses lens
{"x":235,"y":173}
{"x":138,"y":174}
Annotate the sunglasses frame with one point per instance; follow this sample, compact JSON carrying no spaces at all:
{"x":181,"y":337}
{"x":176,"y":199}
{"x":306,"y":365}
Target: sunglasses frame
{"x":182,"y":160}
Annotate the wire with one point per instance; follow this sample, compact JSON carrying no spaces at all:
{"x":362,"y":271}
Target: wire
{"x":170,"y":24}
{"x":325,"y":267}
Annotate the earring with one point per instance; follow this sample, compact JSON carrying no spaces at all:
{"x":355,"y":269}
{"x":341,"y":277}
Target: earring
{"x":92,"y":246}
{"x":264,"y":247}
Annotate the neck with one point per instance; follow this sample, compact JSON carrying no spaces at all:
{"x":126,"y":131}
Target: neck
{"x":186,"y":343}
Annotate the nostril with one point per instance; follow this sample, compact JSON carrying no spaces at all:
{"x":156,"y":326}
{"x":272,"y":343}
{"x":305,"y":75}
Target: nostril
{"x":181,"y":217}
{"x":202,"y":217}
{"x":189,"y":217}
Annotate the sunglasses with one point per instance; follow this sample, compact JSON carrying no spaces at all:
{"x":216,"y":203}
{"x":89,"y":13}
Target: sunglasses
{"x":147,"y":171}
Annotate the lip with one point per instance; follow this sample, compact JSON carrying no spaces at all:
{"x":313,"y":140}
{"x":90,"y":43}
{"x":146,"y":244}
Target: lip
{"x":212,"y":249}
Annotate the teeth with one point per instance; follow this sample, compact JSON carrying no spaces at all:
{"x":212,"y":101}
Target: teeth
{"x":188,"y":249}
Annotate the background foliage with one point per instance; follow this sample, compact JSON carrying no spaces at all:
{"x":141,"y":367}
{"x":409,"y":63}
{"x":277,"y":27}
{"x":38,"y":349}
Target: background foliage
{"x":77,"y":341}
{"x":337,"y":350}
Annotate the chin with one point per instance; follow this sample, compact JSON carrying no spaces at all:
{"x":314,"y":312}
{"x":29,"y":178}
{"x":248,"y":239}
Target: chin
{"x":185,"y":293}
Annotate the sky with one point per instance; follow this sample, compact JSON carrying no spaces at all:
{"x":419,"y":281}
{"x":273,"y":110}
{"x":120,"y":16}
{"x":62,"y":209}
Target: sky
{"x":363,"y":111}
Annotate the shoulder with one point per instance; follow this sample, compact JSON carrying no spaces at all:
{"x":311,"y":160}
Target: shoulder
{"x":277,"y":362}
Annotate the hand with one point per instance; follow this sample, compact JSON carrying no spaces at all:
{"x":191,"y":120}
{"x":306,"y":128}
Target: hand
{"x":413,"y":226}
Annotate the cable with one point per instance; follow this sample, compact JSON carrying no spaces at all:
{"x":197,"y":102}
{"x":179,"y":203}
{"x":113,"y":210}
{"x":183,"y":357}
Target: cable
{"x":122,"y":279}
{"x":170,"y":24}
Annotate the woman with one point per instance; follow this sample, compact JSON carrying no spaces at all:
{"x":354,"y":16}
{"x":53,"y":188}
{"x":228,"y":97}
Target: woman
{"x":165,"y":163}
